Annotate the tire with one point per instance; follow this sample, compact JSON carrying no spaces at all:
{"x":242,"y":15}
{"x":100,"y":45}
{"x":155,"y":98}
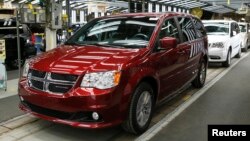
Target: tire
{"x":200,"y":79}
{"x":228,"y":61}
{"x":246,"y":47}
{"x":13,"y":63}
{"x":239,"y":54}
{"x":139,"y":107}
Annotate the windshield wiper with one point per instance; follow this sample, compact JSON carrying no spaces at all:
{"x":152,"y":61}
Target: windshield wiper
{"x":107,"y":45}
{"x":75,"y":43}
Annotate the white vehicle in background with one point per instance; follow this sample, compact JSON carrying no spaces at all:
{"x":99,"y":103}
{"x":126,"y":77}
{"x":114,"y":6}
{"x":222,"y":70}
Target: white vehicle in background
{"x":244,"y":33}
{"x":224,"y":40}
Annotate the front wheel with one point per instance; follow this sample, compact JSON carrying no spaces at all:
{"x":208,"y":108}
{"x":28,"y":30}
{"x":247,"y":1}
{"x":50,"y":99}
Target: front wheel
{"x":238,"y":55}
{"x":140,"y":110}
{"x":228,"y":61}
{"x":200,"y":79}
{"x":246,"y":47}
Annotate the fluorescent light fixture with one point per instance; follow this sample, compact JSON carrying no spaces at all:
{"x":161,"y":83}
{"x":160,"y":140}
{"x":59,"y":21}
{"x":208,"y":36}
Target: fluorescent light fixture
{"x":22,"y":1}
{"x":35,"y":2}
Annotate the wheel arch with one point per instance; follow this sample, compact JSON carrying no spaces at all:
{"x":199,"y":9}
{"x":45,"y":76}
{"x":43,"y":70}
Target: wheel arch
{"x":152,"y":82}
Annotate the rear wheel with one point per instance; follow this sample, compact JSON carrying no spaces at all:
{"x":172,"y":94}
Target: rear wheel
{"x":228,"y":61}
{"x":200,"y":79}
{"x":140,"y":110}
{"x":246,"y":47}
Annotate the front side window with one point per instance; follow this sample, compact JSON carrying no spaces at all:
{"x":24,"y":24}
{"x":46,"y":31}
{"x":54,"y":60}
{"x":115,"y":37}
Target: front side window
{"x":127,"y":32}
{"x":169,"y":29}
{"x":187,"y":28}
{"x":217,"y":28}
{"x":235,"y":29}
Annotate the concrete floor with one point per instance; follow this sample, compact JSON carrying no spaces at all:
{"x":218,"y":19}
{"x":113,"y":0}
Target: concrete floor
{"x":226,"y":102}
{"x":8,"y":108}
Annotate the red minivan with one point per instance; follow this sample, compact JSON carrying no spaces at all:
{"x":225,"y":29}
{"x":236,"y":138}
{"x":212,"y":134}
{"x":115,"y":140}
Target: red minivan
{"x":115,"y":70}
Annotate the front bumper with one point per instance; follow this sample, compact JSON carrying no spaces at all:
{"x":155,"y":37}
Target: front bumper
{"x":75,"y":107}
{"x":217,"y":54}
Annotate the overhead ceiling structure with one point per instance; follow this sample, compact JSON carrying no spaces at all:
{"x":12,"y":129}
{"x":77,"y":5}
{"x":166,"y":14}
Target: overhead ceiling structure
{"x":82,"y":4}
{"x":187,"y":4}
{"x":217,"y":6}
{"x":225,"y":6}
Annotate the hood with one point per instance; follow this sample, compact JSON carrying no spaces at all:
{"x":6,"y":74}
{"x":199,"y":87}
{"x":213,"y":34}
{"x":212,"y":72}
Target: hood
{"x":76,"y":60}
{"x":218,"y":38}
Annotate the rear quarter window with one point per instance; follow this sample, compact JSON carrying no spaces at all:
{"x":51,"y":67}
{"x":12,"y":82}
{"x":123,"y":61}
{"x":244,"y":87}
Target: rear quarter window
{"x":187,"y":28}
{"x":201,"y":32}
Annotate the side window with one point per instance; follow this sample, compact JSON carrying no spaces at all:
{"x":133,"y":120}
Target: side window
{"x":237,"y":28}
{"x":234,"y":29}
{"x":169,"y":29}
{"x":201,"y":32}
{"x":187,"y":28}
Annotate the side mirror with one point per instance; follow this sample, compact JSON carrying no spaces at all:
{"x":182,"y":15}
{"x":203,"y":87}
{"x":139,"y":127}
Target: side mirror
{"x":168,"y":43}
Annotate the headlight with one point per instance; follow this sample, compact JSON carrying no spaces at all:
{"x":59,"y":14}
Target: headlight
{"x":26,"y":68}
{"x":101,"y":80}
{"x":218,"y":45}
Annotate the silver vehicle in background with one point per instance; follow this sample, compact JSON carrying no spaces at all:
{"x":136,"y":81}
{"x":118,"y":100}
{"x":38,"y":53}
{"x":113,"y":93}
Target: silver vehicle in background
{"x":244,"y":33}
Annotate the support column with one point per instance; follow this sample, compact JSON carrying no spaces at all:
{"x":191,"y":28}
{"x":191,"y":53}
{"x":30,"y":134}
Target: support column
{"x":129,"y":8}
{"x":163,"y":8}
{"x":150,"y":7}
{"x":143,"y":6}
{"x":50,"y":34}
{"x":50,"y":38}
{"x":169,"y":8}
{"x":157,"y":8}
{"x":68,"y":12}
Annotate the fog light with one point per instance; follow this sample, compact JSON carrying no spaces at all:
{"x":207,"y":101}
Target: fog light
{"x":95,"y":116}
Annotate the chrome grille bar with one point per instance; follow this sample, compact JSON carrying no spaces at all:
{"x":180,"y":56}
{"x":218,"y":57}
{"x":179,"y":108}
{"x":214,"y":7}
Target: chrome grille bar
{"x":50,"y":85}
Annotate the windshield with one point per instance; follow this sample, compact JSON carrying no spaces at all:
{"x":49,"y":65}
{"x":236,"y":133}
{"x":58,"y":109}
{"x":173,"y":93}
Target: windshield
{"x":126,"y":32}
{"x":217,"y":28}
{"x":242,"y":28}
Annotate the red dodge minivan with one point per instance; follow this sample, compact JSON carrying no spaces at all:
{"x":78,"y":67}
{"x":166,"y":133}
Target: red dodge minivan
{"x":115,"y":70}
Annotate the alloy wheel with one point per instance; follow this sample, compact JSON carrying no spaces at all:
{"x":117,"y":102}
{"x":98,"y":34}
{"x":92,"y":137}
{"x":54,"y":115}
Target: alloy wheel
{"x":144,"y":108}
{"x":203,"y":73}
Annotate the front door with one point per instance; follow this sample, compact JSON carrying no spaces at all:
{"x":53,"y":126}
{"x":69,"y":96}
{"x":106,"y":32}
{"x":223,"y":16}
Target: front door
{"x":169,"y":62}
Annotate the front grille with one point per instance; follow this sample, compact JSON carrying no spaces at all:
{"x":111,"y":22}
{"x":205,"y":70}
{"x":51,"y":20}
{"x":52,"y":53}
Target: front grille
{"x":39,"y":74}
{"x":64,"y":77}
{"x":51,"y":82}
{"x":76,"y":116}
{"x":214,"y":57}
{"x":36,"y":84}
{"x":59,"y":88}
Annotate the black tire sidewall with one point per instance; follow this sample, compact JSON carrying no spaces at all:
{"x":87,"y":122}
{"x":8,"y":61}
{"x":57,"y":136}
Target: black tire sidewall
{"x":202,"y":83}
{"x":197,"y":82}
{"x":141,"y":88}
{"x":227,"y":63}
